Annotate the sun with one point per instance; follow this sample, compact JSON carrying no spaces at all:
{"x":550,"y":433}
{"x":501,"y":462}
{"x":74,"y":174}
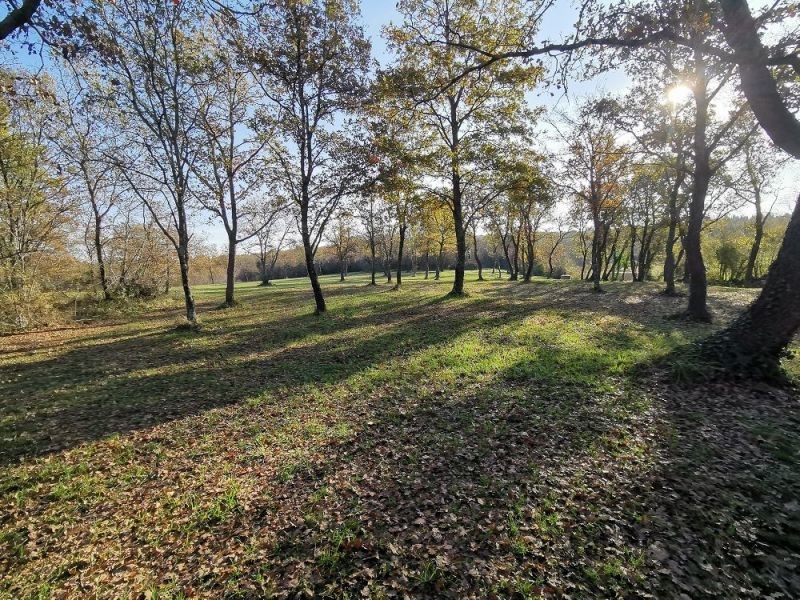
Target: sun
{"x":678,"y":94}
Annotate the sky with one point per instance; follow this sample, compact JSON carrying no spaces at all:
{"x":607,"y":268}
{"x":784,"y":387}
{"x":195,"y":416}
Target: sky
{"x":557,"y":23}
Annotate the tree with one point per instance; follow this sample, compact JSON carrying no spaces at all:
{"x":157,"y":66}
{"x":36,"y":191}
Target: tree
{"x":474,"y":232}
{"x":228,"y":161}
{"x":533,"y":199}
{"x":268,"y":228}
{"x":368,"y":210}
{"x":147,"y":55}
{"x":84,"y":137}
{"x":759,"y":168}
{"x":311,"y":61}
{"x":557,"y":238}
{"x":756,"y":340}
{"x":342,"y":237}
{"x":595,"y":173}
{"x":35,"y":206}
{"x":475,"y":118}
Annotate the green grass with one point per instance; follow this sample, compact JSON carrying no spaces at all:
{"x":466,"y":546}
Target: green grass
{"x":515,"y":442}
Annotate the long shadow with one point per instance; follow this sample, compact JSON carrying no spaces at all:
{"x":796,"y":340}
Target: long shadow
{"x":531,"y":481}
{"x":91,"y":392}
{"x":503,"y":488}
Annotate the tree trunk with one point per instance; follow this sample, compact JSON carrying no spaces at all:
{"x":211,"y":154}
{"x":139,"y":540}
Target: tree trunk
{"x":439,"y":262}
{"x":596,"y":274}
{"x":319,"y":299}
{"x":529,"y":267}
{"x":230,"y":271}
{"x":477,"y":258}
{"x":427,"y":263}
{"x":183,"y":260}
{"x":400,"y":245}
{"x":372,"y":263}
{"x":754,"y":343}
{"x":461,"y":252}
{"x":98,"y":248}
{"x":749,"y":275}
{"x":695,"y":267}
{"x":342,"y":270}
{"x":670,"y":263}
{"x":515,"y":266}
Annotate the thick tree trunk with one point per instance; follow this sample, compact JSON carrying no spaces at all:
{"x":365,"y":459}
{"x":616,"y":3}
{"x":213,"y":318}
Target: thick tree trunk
{"x":461,"y":252}
{"x":427,"y":263}
{"x":230,"y":271}
{"x":754,"y":343}
{"x":529,"y":267}
{"x":695,"y":267}
{"x":439,"y":263}
{"x":17,"y":17}
{"x":342,"y":270}
{"x":758,"y":84}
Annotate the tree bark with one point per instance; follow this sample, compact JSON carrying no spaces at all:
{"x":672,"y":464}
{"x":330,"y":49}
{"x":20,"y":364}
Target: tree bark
{"x":477,"y":258}
{"x":18,"y":17}
{"x":402,"y":241}
{"x":183,"y":260}
{"x":319,"y":299}
{"x":749,"y":275}
{"x":755,"y":342}
{"x":695,"y":267}
{"x":230,"y":271}
{"x":596,"y":251}
{"x":98,"y":248}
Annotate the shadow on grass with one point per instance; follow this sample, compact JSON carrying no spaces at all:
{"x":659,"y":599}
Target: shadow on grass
{"x":87,"y":393}
{"x":560,"y":471}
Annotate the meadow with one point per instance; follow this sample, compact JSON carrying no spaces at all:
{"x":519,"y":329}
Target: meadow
{"x":525,"y":441}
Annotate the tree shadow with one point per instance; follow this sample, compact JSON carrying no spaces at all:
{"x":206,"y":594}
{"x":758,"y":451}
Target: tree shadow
{"x":563,"y":471}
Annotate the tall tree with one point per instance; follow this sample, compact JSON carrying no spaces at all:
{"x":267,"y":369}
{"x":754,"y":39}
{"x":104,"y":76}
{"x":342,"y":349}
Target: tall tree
{"x":148,"y":55}
{"x":756,"y":340}
{"x":35,"y":206}
{"x":311,"y":61}
{"x":475,"y":118}
{"x":596,"y":169}
{"x":229,"y":160}
{"x":84,"y":136}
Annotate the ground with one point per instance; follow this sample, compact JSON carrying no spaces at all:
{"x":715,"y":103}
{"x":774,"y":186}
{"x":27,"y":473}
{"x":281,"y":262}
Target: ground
{"x":525,"y":441}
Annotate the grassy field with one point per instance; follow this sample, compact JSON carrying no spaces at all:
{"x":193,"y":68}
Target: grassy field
{"x":513,"y":443}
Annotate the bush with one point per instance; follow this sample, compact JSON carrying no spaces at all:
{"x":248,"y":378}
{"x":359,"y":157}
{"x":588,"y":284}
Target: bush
{"x":26,"y":308}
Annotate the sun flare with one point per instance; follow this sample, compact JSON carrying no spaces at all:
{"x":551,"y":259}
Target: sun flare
{"x":678,"y":94}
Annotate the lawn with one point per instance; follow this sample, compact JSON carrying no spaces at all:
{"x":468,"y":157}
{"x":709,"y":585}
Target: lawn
{"x":518,"y":442}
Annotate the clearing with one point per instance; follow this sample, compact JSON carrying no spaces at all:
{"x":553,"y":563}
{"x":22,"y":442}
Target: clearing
{"x":513,"y":443}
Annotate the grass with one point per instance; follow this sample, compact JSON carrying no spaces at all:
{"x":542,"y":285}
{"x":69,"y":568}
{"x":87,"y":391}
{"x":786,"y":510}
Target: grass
{"x":514,"y":442}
